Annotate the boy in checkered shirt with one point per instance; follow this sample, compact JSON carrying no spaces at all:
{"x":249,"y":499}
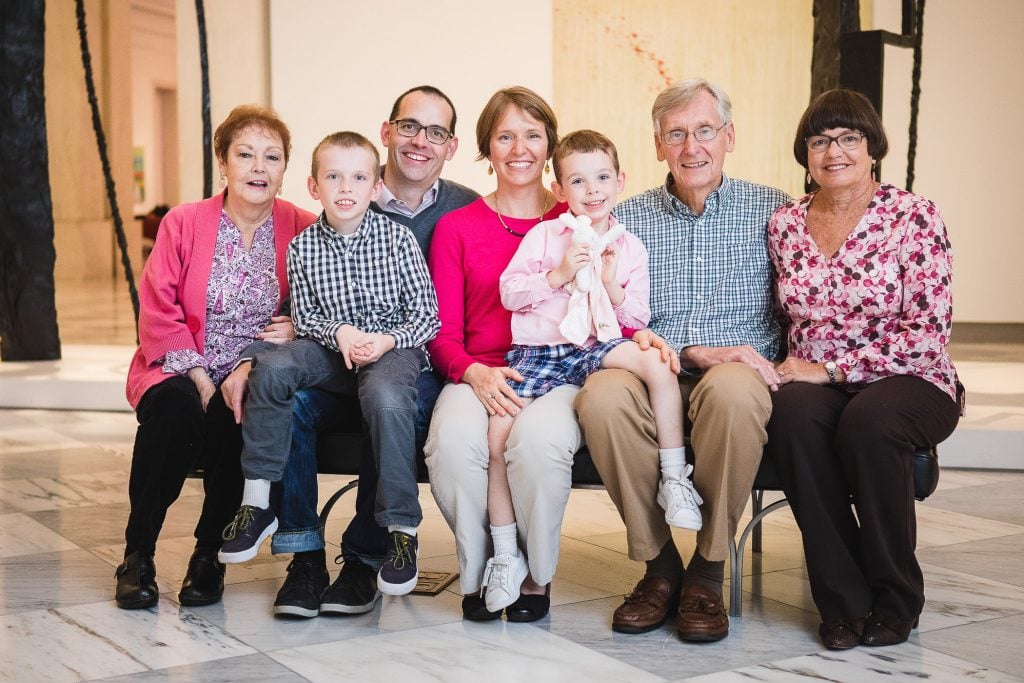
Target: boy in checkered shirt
{"x":363,"y":307}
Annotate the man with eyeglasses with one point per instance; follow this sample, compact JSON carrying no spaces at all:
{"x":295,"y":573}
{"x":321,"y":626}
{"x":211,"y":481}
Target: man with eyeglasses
{"x":420,"y":137}
{"x":712,"y":314}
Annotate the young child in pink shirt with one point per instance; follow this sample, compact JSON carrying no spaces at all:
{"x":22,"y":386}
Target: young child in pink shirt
{"x":569,"y":300}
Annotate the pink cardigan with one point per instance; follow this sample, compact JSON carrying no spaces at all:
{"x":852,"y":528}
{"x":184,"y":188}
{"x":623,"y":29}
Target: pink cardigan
{"x":172,"y":291}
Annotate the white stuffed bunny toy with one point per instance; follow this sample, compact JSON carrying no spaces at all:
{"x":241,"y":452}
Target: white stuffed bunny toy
{"x":590,"y":310}
{"x":583,"y":233}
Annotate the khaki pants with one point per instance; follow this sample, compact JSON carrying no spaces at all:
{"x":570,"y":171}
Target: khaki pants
{"x":539,"y":454}
{"x":728,"y":407}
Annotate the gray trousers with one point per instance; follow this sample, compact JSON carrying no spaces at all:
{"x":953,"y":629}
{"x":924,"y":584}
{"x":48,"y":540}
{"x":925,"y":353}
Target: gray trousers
{"x":387,"y":397}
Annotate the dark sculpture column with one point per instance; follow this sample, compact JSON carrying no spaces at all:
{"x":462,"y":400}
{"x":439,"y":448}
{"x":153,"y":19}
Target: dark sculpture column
{"x":28,"y":316}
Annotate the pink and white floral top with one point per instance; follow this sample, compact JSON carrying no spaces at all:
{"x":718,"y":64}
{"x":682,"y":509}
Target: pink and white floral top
{"x":882,"y":305}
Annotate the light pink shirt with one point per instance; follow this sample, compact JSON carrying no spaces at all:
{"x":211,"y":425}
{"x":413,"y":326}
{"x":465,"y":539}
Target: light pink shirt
{"x":538,"y":310}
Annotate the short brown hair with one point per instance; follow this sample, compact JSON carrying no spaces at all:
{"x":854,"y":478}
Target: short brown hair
{"x":583,"y":141}
{"x":516,"y":96}
{"x":244,"y":116}
{"x":841,"y":108}
{"x":426,"y":90}
{"x":346,"y":139}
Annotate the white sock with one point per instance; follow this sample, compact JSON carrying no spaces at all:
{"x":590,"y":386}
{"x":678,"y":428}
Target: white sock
{"x":411,"y":530}
{"x":504,"y":538}
{"x":673,"y":460}
{"x":256,"y":493}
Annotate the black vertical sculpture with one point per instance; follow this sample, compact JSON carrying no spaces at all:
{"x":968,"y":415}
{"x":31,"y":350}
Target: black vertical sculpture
{"x":204,"y":69}
{"x":28,"y":317}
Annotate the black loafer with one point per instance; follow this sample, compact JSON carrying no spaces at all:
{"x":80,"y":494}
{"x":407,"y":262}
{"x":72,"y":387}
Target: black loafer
{"x":529,"y":607}
{"x":474,"y":609}
{"x":136,"y":582}
{"x":204,"y":580}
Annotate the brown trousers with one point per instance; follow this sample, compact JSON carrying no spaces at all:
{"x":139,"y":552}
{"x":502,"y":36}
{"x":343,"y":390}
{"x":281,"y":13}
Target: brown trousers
{"x":728,"y":407}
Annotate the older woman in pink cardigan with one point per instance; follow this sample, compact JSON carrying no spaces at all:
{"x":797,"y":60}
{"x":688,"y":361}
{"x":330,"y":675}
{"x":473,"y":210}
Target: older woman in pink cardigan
{"x":211,"y":294}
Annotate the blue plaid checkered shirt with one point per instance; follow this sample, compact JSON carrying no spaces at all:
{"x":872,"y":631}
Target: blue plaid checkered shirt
{"x":376,"y":281}
{"x":711,"y":278}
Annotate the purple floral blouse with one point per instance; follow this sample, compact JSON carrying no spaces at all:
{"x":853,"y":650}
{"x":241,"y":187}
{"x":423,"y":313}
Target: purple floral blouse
{"x":882,"y":305}
{"x":240,"y":299}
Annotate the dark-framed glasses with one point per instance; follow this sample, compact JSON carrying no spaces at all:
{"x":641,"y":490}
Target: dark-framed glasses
{"x":819,"y":143}
{"x":700,"y":134}
{"x":410,"y":128}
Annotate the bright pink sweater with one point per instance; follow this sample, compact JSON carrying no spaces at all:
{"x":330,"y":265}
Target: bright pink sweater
{"x":469,"y":251}
{"x":172,"y":291}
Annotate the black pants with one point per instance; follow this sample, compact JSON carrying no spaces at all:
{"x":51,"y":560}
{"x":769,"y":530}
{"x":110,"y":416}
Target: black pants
{"x":829,"y":444}
{"x":174,"y":436}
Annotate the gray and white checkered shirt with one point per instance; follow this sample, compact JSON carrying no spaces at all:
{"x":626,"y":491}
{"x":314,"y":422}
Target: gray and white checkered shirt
{"x":711,"y":278}
{"x":376,"y":281}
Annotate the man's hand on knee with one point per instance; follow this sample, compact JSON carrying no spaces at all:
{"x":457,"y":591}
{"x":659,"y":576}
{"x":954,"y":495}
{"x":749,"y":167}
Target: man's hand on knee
{"x":708,"y":356}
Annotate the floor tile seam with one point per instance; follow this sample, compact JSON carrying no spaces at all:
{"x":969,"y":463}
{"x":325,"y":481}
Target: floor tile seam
{"x":777,"y":601}
{"x":952,"y":546}
{"x":962,"y":658}
{"x":973,"y":622}
{"x":927,"y":564}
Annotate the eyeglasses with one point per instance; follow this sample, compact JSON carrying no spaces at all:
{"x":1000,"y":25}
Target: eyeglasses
{"x":410,"y":128}
{"x":700,"y":134}
{"x":819,"y":143}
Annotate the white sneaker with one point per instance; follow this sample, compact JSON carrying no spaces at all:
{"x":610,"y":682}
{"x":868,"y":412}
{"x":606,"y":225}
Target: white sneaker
{"x":681,"y":501}
{"x":503,"y":577}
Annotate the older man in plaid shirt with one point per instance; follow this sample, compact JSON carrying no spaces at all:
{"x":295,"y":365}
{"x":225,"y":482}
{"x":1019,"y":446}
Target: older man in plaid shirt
{"x":712,"y":314}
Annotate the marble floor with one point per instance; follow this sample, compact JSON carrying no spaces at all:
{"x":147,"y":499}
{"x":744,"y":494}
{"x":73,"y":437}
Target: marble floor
{"x":63,"y":505}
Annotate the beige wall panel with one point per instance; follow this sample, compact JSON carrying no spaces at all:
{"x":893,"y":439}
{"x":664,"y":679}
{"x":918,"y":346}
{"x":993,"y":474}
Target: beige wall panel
{"x":338,"y":66}
{"x":237,"y":43}
{"x":968,"y":150}
{"x":83,"y":231}
{"x":612,"y":57}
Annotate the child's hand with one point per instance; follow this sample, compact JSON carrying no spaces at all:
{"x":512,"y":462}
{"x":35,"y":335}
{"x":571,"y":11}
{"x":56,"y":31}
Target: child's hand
{"x":576,"y":257}
{"x":349,"y":337}
{"x":372,"y":348}
{"x":609,"y":262}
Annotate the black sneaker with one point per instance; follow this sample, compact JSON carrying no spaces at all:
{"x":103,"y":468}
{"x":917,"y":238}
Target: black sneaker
{"x":354,"y":591}
{"x":398,"y":574}
{"x":300,"y":594}
{"x":242,"y":538}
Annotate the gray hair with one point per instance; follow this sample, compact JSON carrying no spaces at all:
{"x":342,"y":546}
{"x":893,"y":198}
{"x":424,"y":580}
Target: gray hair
{"x":683,"y":93}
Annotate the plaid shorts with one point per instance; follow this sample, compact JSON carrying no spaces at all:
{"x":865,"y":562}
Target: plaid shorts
{"x":546,"y":367}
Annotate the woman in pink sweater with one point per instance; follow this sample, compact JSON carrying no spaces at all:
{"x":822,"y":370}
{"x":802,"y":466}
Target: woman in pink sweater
{"x":516,"y":133}
{"x":210,"y":295}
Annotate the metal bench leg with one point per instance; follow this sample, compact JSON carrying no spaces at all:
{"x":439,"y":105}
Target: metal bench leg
{"x":757,"y":500}
{"x":736,"y":558}
{"x":325,"y":512}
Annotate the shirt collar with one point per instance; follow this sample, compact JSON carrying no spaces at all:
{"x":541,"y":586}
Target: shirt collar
{"x":389,"y":202}
{"x":718,"y":197}
{"x":332,"y":235}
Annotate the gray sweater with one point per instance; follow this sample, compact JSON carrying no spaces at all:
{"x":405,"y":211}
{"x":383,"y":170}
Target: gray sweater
{"x":450,"y":196}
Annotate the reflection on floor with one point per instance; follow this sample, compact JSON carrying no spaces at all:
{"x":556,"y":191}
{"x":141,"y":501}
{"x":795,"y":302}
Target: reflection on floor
{"x":63,"y":504}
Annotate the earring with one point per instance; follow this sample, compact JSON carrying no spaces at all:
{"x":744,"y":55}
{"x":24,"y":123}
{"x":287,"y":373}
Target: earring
{"x":547,"y":167}
{"x":808,"y":180}
{"x":874,"y":175}
{"x":223,"y":180}
{"x":490,"y":170}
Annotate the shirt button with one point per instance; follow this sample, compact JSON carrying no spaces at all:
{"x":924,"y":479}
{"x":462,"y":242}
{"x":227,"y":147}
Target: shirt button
{"x":693,"y":329}
{"x":699,"y":297}
{"x":700,"y":259}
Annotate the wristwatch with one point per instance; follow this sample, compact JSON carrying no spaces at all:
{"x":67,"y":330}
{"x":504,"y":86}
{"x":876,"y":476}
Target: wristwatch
{"x":830,"y":368}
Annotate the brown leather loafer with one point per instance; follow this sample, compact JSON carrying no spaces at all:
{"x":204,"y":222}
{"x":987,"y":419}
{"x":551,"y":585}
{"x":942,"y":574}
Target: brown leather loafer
{"x":647,"y":607}
{"x":701,"y":616}
{"x":885,"y":630}
{"x":841,"y":634}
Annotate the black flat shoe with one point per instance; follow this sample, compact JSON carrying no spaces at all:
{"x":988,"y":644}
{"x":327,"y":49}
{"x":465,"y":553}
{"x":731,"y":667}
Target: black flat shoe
{"x":474,"y":609}
{"x":136,"y":582}
{"x":841,"y":634}
{"x":885,"y":630}
{"x":529,"y":607}
{"x":204,"y":580}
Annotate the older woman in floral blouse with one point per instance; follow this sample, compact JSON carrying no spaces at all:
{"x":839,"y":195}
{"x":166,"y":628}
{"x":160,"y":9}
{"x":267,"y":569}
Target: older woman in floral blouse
{"x":864,"y":275}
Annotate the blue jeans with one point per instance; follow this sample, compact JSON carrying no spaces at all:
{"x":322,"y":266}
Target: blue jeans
{"x":295,"y":497}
